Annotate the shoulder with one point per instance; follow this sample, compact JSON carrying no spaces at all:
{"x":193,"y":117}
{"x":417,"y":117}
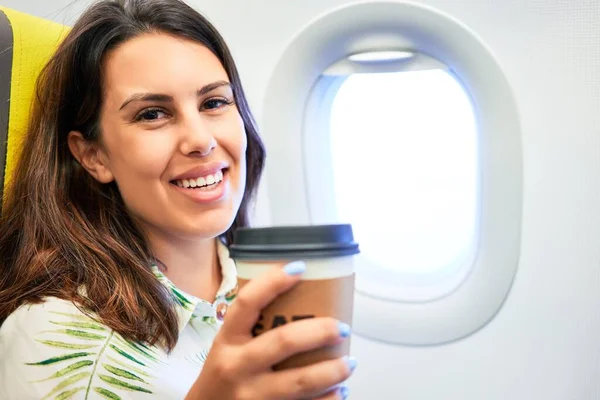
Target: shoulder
{"x":31,"y":319}
{"x":39,"y":342}
{"x":49,"y":307}
{"x":55,"y":350}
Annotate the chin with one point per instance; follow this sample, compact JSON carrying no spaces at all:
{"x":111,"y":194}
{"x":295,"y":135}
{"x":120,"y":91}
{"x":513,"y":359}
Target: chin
{"x":210,"y":224}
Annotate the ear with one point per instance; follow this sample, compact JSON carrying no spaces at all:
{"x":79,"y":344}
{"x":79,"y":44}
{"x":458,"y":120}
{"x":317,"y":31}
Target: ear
{"x":91,"y":157}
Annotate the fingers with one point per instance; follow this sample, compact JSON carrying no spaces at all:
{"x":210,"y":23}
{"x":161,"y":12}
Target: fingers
{"x":340,"y":393}
{"x":311,"y":381}
{"x":308,"y":334}
{"x":256,"y":295}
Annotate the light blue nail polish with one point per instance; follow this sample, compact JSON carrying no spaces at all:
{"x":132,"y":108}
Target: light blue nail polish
{"x":295,"y":268}
{"x":345,"y":329}
{"x":351,"y":361}
{"x":344,"y":392}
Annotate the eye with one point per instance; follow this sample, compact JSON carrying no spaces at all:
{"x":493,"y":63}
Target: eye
{"x":216,"y":103}
{"x":150,"y":114}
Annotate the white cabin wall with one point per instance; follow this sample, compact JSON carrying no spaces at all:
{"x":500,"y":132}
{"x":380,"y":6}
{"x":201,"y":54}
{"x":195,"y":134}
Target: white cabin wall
{"x":61,"y":11}
{"x":545,"y":342}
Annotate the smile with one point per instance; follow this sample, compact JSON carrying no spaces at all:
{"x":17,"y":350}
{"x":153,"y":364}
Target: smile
{"x":206,"y":182}
{"x":206,"y":189}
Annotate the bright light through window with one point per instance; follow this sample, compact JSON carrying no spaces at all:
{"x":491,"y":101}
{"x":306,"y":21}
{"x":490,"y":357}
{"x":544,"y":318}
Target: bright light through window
{"x":404,"y":154}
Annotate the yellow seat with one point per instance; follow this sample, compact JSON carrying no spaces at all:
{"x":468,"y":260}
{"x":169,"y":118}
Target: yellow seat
{"x":26,"y":44}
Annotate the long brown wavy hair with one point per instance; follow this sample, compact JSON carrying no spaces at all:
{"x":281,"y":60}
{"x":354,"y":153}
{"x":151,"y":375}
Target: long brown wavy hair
{"x":60,"y":229}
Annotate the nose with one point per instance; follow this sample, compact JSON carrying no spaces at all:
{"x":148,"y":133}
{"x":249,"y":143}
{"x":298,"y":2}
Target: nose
{"x":196,"y":136}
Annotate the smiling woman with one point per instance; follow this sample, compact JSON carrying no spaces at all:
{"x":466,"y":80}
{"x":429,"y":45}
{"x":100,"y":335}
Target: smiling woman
{"x":140,"y":161}
{"x":157,"y":130}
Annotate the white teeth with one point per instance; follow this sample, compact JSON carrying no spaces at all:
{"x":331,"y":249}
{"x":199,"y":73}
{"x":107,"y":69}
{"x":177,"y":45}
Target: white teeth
{"x":201,"y":181}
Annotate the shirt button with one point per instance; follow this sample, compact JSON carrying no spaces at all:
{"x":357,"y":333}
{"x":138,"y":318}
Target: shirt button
{"x":221,"y":310}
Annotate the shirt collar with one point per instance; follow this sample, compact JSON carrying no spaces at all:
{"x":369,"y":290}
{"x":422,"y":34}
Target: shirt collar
{"x":188,"y":306}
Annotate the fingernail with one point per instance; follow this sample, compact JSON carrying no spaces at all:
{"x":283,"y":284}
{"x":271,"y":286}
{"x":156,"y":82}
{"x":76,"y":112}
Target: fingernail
{"x":295,"y":268}
{"x":351,"y":361}
{"x":345,"y":329}
{"x":344,"y":392}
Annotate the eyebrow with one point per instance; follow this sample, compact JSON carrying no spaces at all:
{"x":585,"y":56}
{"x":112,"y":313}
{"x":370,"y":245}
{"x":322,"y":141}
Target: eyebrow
{"x":167,"y":98}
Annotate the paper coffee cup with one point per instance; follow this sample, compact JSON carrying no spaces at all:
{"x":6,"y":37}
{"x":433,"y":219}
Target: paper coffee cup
{"x":326,"y":288}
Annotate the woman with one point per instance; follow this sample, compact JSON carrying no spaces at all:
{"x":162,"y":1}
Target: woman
{"x":140,"y":161}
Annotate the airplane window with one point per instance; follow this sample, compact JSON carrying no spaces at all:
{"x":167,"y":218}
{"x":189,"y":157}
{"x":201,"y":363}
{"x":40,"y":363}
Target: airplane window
{"x":405,"y":168}
{"x":398,"y":119}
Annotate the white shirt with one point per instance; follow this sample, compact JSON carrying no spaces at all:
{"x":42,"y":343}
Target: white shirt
{"x":53,"y":350}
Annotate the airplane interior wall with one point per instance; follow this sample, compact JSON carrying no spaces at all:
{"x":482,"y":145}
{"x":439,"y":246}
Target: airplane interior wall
{"x":545,"y":341}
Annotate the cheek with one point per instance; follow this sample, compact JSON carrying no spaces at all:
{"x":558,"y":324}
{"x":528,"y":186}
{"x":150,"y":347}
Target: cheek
{"x":241,"y":146}
{"x":242,"y":141}
{"x":140,"y":156}
{"x":234,"y":140}
{"x":235,"y":144}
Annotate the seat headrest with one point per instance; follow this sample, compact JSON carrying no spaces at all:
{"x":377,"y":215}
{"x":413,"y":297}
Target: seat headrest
{"x":26,"y":44}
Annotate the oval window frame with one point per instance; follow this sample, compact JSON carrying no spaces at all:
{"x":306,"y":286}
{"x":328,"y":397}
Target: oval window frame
{"x":389,"y":25}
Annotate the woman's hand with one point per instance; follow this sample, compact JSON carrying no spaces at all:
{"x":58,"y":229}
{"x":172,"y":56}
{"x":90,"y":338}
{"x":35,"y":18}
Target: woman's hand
{"x":238,"y":366}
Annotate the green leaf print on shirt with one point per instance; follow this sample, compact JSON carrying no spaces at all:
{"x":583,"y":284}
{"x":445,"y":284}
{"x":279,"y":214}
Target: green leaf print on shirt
{"x":197,"y":359}
{"x":90,"y":357}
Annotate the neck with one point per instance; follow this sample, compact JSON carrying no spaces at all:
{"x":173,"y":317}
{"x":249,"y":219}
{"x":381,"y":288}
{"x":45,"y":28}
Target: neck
{"x":192,"y":265}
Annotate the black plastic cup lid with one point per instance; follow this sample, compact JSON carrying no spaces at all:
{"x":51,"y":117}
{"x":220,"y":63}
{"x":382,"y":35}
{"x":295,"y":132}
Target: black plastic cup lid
{"x":293,"y":242}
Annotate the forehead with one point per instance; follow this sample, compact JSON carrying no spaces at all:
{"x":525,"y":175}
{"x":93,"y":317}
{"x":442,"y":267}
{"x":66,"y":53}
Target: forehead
{"x":162,"y":63}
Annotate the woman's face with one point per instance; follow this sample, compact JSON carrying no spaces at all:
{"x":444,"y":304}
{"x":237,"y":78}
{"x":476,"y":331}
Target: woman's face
{"x":172,"y":137}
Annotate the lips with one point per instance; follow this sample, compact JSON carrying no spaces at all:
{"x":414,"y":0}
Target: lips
{"x":207,"y":183}
{"x":209,"y":194}
{"x":201,"y":171}
{"x":201,"y":181}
